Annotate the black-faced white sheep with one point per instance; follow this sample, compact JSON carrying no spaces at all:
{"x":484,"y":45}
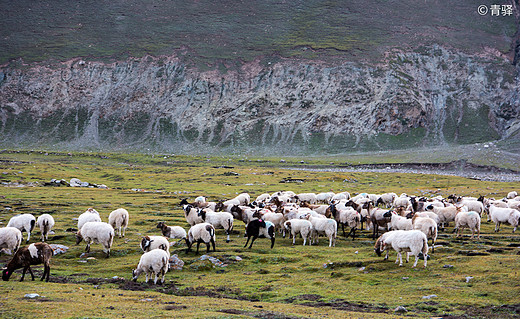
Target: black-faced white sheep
{"x":97,"y":233}
{"x":348,"y":216}
{"x":10,"y":238}
{"x":175,"y":232}
{"x":192,"y":215}
{"x":413,"y":241}
{"x":118,"y":219}
{"x":45,"y":222}
{"x":152,"y":263}
{"x":201,"y":233}
{"x":398,"y":222}
{"x":34,"y":254}
{"x":24,"y":222}
{"x":259,"y":228}
{"x":149,"y":243}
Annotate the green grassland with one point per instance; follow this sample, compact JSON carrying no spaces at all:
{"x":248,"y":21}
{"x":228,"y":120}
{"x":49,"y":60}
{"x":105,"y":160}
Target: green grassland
{"x":348,"y":280}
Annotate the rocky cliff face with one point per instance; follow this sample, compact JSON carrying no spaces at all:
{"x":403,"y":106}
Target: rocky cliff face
{"x":426,"y":97}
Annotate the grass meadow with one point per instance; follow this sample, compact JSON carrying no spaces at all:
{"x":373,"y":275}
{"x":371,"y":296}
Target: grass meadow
{"x":348,"y":280}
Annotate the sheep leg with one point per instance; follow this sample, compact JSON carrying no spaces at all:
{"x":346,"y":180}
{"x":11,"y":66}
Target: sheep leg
{"x":213,"y":243}
{"x":416,"y":259}
{"x":198,"y":244}
{"x":247,"y":241}
{"x":343,"y":228}
{"x":227,"y":239}
{"x":252,"y":241}
{"x":294,"y":239}
{"x":353,"y":232}
{"x":400,"y":259}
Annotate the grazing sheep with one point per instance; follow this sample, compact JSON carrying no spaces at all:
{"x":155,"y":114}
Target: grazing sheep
{"x":34,"y":254}
{"x":299,"y":226}
{"x":386,"y":199}
{"x":90,"y":215}
{"x":320,"y":209}
{"x":447,"y":214}
{"x":511,"y":195}
{"x":348,"y":216}
{"x":504,"y":215}
{"x":97,"y":233}
{"x":201,"y":233}
{"x":10,"y":238}
{"x":469,"y":219}
{"x":323,"y":226}
{"x":259,"y":228}
{"x":306,"y":197}
{"x":413,"y":241}
{"x":149,"y":243}
{"x":192,"y":215}
{"x":152,"y":263}
{"x":45,"y":222}
{"x":24,"y":222}
{"x":263,"y":198}
{"x":118,"y":219}
{"x":325,"y":197}
{"x":398,"y":222}
{"x":428,"y":226}
{"x":218,"y":220}
{"x":175,"y":232}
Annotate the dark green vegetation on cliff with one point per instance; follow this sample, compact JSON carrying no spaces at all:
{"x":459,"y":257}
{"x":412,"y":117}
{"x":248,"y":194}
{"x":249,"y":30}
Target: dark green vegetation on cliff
{"x":231,"y":32}
{"x":285,"y":282}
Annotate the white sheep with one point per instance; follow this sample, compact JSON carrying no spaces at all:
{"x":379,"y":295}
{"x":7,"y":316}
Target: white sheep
{"x":428,"y":226}
{"x":45,"y":222}
{"x":200,"y":199}
{"x":263,"y":198}
{"x":175,"y":232}
{"x":325,"y":197}
{"x":90,"y":215}
{"x":398,"y":222}
{"x":154,"y":262}
{"x":10,"y":238}
{"x":472,"y":205}
{"x":469,"y":219}
{"x":413,"y":241}
{"x":299,"y":226}
{"x":97,"y":233}
{"x":218,"y":220}
{"x":24,"y":222}
{"x":511,"y":195}
{"x":306,"y":197}
{"x":243,"y":198}
{"x":118,"y":219}
{"x":504,"y":215}
{"x":201,"y":233}
{"x":323,"y":226}
{"x":431,"y":215}
{"x":149,"y":243}
{"x":402,"y":201}
{"x":447,"y":214}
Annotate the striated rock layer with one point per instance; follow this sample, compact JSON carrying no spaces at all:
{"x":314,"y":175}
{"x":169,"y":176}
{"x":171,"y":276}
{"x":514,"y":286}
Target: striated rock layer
{"x":427,"y":97}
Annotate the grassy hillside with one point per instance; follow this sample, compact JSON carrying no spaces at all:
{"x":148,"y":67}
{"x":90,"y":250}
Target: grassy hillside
{"x":348,"y":280}
{"x":207,"y":32}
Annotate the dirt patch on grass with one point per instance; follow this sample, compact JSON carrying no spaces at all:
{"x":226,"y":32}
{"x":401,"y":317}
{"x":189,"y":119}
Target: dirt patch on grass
{"x":259,"y":314}
{"x":338,"y":304}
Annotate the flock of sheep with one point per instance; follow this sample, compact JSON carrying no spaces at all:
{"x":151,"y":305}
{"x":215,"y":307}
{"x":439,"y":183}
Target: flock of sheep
{"x":408,"y":222}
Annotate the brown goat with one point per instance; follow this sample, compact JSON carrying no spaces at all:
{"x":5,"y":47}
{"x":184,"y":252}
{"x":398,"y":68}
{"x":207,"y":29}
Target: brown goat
{"x":34,"y":254}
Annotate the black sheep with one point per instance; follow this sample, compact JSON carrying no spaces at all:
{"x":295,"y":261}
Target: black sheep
{"x":259,"y":228}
